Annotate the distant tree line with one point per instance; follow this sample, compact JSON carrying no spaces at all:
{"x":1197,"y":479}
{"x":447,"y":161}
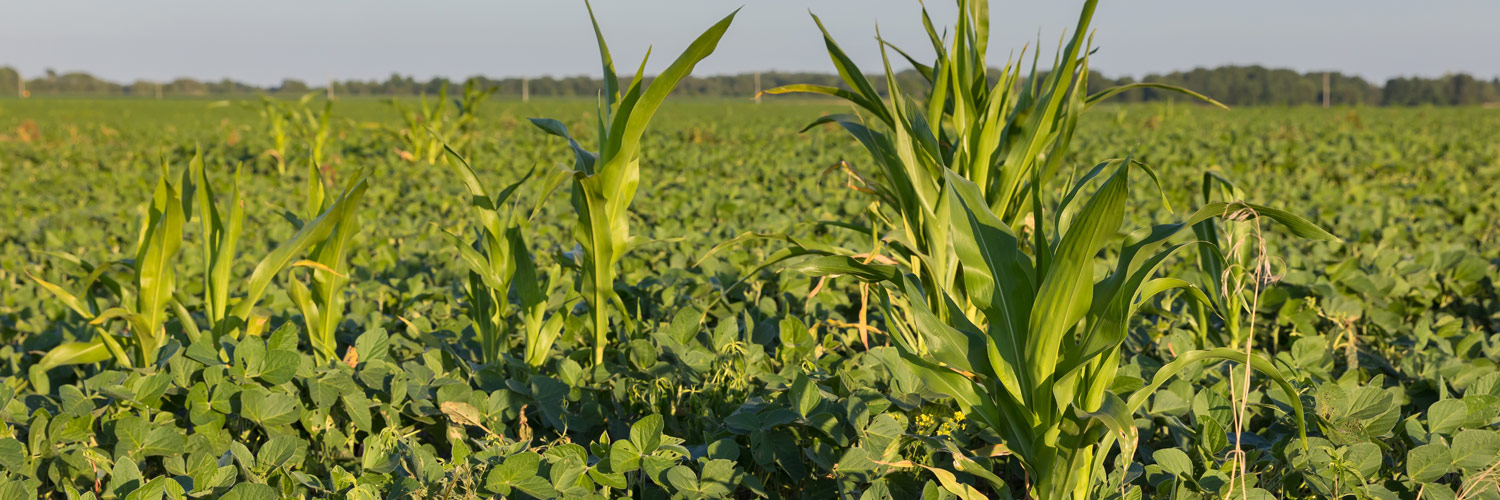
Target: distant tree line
{"x":1233,"y":85}
{"x":1258,"y":85}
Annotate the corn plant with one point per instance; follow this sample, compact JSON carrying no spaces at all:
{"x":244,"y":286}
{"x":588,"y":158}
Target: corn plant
{"x":315,"y":128}
{"x":1222,"y":273}
{"x":322,"y":306}
{"x":1028,"y":341}
{"x":155,"y":281}
{"x":288,"y":122}
{"x":501,"y":267}
{"x":145,"y":308}
{"x":310,"y":233}
{"x":999,"y":136}
{"x":1017,"y":331}
{"x":429,"y":128}
{"x":276,"y":119}
{"x":220,"y":234}
{"x":604,"y":181}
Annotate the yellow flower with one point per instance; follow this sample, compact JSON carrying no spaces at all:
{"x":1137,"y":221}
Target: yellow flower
{"x":958,"y":415}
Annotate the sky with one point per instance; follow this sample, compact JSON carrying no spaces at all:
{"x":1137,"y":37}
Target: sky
{"x":263,"y":41}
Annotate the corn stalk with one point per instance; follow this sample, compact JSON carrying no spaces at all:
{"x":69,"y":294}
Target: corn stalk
{"x":146,"y":307}
{"x":999,"y":135}
{"x":604,"y":182}
{"x":1035,"y":349}
{"x":501,"y":267}
{"x":429,"y":128}
{"x":993,"y":302}
{"x":322,"y":306}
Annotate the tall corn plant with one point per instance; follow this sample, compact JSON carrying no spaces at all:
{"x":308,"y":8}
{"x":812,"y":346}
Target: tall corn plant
{"x":322,"y":305}
{"x":999,"y":135}
{"x":1029,"y":338}
{"x":604,"y":181}
{"x":994,"y":302}
{"x":1222,"y":274}
{"x":220,"y":235}
{"x":501,"y":267}
{"x":145,"y":307}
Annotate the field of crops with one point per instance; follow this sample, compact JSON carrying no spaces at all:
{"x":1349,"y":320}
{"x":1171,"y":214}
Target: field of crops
{"x":309,"y":299}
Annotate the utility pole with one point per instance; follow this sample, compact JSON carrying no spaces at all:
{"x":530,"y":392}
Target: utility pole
{"x":330,"y":89}
{"x":757,"y":87}
{"x":525,"y":89}
{"x":1326,"y":85}
{"x":20,"y":84}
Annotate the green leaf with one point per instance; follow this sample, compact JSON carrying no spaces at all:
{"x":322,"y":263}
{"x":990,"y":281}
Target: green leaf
{"x":536,"y":486}
{"x":624,"y":456}
{"x":630,"y":124}
{"x":1067,"y":290}
{"x":1112,"y":91}
{"x":250,"y":491}
{"x":372,"y":345}
{"x":717,"y":480}
{"x":1437,"y":491}
{"x":155,"y":278}
{"x":1427,"y":463}
{"x":1445,"y":416}
{"x":280,"y":366}
{"x":683,"y":478}
{"x":515,"y":470}
{"x":12,"y":454}
{"x":1366,"y":458}
{"x":269,"y":409}
{"x":646,"y":433}
{"x":75,"y":353}
{"x":125,"y":477}
{"x":805,"y":395}
{"x":281,"y":450}
{"x":287,"y":252}
{"x":1187,"y":359}
{"x":1475,"y":450}
{"x":68,"y":299}
{"x":141,"y":438}
{"x":1174,"y":461}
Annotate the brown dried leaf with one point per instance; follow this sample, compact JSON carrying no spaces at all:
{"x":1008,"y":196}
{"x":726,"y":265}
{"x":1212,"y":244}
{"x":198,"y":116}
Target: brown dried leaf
{"x":462,"y":413}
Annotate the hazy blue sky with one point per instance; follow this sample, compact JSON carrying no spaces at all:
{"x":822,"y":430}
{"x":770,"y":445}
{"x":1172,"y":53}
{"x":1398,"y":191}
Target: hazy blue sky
{"x":263,"y":41}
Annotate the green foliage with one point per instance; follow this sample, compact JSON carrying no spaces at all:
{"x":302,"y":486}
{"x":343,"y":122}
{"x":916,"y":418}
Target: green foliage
{"x":1000,"y":136}
{"x":723,"y":377}
{"x":322,"y":305}
{"x":502,"y":267}
{"x":295,"y":121}
{"x":429,"y":126}
{"x":605,"y":181}
{"x":153,"y":272}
